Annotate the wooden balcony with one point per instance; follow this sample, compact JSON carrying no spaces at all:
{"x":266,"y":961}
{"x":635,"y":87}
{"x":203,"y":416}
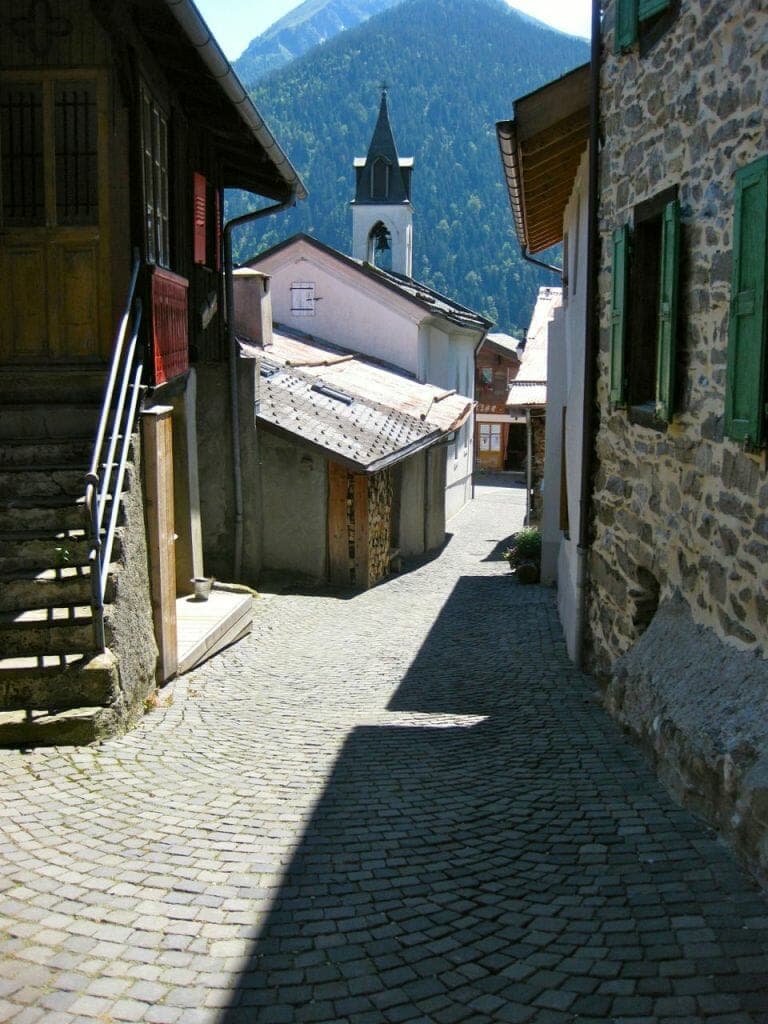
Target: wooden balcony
{"x":169,"y":324}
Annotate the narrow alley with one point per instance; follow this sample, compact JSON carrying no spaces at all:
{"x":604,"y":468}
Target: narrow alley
{"x":404,"y":805}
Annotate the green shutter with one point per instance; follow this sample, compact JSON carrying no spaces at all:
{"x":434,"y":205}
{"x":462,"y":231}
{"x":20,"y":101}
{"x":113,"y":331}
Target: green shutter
{"x":626,"y":25}
{"x":667,"y":331}
{"x":745,"y":382}
{"x":647,"y":8}
{"x":619,"y":312}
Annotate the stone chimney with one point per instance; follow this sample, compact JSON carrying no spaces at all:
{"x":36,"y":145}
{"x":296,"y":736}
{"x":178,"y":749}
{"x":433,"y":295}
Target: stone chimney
{"x":253,"y":306}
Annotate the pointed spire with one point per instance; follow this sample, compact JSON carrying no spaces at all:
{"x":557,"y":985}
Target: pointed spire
{"x":380,"y":179}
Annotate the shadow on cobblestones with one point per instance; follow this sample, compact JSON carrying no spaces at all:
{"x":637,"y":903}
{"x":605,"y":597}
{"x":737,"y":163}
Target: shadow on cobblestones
{"x":499,"y":853}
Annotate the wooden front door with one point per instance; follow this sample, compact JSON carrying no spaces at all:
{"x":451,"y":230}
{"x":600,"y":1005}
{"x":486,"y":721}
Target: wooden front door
{"x":54,"y":246}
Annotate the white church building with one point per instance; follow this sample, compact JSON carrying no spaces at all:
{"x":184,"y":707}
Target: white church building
{"x":359,"y":304}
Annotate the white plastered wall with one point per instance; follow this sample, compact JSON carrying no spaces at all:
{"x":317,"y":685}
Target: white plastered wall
{"x":574,"y":309}
{"x":348,"y":311}
{"x":398,"y":220}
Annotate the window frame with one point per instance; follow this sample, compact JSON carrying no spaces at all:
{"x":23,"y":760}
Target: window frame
{"x":643,"y":21}
{"x":154,"y":124}
{"x":645,"y":289}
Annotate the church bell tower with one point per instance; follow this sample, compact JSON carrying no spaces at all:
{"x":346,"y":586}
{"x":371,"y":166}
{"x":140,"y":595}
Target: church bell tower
{"x":382,"y":215}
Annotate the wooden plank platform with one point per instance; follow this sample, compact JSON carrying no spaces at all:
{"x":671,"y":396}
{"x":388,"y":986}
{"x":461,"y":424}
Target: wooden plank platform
{"x":206,"y":627}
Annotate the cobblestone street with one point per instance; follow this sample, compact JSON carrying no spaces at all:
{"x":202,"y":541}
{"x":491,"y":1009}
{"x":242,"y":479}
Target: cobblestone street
{"x":404,"y":805}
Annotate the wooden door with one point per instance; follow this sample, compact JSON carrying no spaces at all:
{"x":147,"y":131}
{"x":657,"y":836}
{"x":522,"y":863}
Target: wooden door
{"x":54,"y":246}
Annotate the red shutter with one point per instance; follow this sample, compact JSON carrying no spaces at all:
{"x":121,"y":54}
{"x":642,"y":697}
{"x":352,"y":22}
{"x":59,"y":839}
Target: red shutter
{"x":199,"y":204}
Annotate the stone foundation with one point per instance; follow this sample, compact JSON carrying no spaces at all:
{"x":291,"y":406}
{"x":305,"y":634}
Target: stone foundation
{"x":700,"y":706}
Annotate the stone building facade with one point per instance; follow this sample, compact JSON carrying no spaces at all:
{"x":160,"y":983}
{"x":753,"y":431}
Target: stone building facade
{"x":679,"y":560}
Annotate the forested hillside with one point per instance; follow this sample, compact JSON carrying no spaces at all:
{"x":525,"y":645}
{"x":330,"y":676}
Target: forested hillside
{"x":453,"y":68}
{"x":305,"y":26}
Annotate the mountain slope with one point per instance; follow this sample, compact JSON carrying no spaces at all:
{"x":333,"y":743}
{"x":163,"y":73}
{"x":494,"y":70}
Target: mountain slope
{"x":308,"y":25}
{"x":453,"y":68}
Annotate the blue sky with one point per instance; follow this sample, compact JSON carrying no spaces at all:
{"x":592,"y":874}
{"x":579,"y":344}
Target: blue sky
{"x":236,"y":22}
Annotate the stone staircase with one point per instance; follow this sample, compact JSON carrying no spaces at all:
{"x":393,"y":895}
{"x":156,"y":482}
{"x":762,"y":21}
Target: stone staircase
{"x":54,"y":687}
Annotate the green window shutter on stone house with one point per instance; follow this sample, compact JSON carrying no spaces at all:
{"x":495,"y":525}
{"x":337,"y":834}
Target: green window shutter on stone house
{"x":745,"y":383}
{"x":647,"y":8}
{"x":629,"y":14}
{"x":668,"y":290}
{"x":626,"y":24}
{"x":619,"y":312}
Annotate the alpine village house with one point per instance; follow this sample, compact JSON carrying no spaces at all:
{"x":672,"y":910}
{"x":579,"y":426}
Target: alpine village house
{"x":120,"y":124}
{"x":661,"y":199}
{"x":365,"y":408}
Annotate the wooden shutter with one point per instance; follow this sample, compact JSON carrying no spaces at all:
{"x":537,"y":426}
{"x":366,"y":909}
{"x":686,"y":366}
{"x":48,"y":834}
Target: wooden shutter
{"x":745,"y":382}
{"x":625,"y":33}
{"x":647,"y":8}
{"x":668,"y":291}
{"x":199,"y":210}
{"x":619,"y":312}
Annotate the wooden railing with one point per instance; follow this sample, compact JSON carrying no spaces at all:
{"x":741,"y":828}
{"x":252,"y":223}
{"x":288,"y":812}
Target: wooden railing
{"x":169,"y":321}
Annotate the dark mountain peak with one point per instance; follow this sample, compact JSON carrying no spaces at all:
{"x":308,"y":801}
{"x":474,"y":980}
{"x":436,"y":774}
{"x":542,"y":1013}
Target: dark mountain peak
{"x":308,"y":25}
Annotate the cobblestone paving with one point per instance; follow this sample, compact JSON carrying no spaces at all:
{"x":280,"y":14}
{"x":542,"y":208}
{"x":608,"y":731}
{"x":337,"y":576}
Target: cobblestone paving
{"x":399,"y":806}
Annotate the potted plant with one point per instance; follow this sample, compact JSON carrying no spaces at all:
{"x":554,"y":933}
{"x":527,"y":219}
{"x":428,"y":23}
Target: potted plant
{"x":524,"y":556}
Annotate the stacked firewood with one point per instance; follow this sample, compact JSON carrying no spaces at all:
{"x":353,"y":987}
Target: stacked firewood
{"x":379,"y":519}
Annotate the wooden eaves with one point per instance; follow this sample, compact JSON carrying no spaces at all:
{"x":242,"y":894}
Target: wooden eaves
{"x":212,"y":96}
{"x":540,"y":152}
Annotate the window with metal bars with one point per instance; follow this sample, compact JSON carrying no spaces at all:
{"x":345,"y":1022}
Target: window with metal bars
{"x":21,"y":155}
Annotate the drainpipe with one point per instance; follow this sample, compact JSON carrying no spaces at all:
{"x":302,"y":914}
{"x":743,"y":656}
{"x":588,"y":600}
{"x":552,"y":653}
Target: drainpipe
{"x":528,"y":467}
{"x":477,"y":348}
{"x":591,"y":329}
{"x":540,"y":263}
{"x":229,"y":286}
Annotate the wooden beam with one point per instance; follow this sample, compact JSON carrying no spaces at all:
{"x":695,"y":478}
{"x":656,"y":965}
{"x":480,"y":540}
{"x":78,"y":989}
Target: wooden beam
{"x":338,"y":538}
{"x":157,"y":431}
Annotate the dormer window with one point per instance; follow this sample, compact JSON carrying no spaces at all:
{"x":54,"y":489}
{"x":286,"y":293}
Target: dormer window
{"x":380,"y":178}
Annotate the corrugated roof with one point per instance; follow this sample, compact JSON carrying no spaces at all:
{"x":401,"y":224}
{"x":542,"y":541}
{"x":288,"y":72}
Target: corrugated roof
{"x":359,"y":413}
{"x":527,"y":393}
{"x":530,"y":386}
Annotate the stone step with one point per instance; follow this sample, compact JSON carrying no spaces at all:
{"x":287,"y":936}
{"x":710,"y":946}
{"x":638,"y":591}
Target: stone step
{"x":51,"y":421}
{"x":29,"y":514}
{"x":40,"y":481}
{"x":20,"y":451}
{"x":74,"y":727}
{"x":38,"y":632}
{"x":25,"y":551}
{"x":58,"y":682}
{"x":48,"y":588}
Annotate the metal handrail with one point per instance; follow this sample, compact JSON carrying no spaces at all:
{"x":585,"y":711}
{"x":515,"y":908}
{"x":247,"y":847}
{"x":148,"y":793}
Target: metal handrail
{"x":105,"y":477}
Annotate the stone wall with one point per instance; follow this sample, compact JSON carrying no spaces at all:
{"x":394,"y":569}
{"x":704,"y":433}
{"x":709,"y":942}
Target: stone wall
{"x":538,"y":439}
{"x":129,"y":625}
{"x":679,"y":562}
{"x":681,"y":509}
